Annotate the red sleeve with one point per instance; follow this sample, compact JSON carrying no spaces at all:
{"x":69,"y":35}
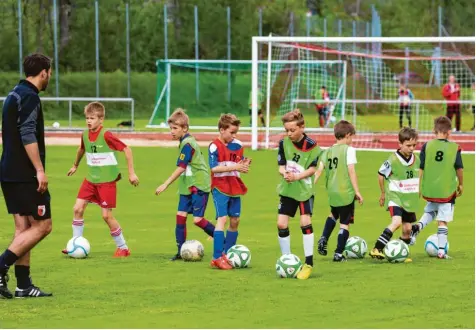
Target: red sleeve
{"x":446,"y":91}
{"x":458,"y":93}
{"x":113,"y":142}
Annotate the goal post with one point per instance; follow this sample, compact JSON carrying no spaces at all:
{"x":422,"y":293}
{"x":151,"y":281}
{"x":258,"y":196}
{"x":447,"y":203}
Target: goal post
{"x":366,"y":77}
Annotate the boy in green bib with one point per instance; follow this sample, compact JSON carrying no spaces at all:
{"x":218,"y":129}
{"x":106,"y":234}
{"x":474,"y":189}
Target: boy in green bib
{"x":441,"y":178}
{"x":399,"y":185}
{"x":339,"y":161}
{"x":99,"y":187}
{"x":297,"y":159}
{"x":194,"y":181}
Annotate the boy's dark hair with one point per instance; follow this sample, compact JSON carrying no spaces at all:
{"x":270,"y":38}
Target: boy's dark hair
{"x":35,"y":63}
{"x":407,"y":134}
{"x":342,"y":128}
{"x":323,"y":87}
{"x":442,"y":125}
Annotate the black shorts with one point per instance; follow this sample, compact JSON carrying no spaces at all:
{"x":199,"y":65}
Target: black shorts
{"x":22,"y":198}
{"x":345,"y":214}
{"x":259,"y":112}
{"x":408,"y":217}
{"x":288,"y":206}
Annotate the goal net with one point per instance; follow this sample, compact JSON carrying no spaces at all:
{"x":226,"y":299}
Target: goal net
{"x":378,"y":84}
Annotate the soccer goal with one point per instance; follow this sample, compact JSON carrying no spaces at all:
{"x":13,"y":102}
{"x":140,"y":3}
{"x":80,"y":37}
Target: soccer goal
{"x":378,"y":84}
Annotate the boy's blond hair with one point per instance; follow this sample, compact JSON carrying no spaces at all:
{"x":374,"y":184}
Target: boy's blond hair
{"x":96,"y":108}
{"x":228,"y":119}
{"x":342,"y":128}
{"x":294,"y":115}
{"x":442,"y":125}
{"x":179,"y":118}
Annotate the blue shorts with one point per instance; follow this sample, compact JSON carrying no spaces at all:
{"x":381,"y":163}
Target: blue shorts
{"x":195,"y":203}
{"x":226,"y":205}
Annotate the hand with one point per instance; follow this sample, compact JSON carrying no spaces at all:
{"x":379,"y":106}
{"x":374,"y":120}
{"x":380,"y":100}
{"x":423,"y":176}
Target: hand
{"x":72,"y":170}
{"x":161,"y":189}
{"x":247,"y":161}
{"x":242,"y":167}
{"x":359,"y":197}
{"x":316,"y":178}
{"x":133,"y":179}
{"x":459,"y":190}
{"x":382,"y":199}
{"x":289,"y":177}
{"x":42,"y":181}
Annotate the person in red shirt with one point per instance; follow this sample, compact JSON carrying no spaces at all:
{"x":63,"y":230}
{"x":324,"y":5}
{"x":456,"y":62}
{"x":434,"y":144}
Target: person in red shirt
{"x":322,"y":107}
{"x":451,"y":92}
{"x":99,"y":187}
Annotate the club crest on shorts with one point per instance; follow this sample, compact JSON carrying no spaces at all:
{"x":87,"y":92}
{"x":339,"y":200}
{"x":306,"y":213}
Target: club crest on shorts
{"x":41,"y":210}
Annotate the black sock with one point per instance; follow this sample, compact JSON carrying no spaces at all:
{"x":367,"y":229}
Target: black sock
{"x":22,"y":273}
{"x":341,"y":240}
{"x":7,"y":259}
{"x":328,"y":227}
{"x":309,"y":261}
{"x":406,"y":240}
{"x":383,"y":239}
{"x":283,"y":232}
{"x":262,"y":122}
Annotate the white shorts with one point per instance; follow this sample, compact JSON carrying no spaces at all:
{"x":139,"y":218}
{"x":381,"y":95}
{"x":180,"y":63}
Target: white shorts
{"x":444,"y":211}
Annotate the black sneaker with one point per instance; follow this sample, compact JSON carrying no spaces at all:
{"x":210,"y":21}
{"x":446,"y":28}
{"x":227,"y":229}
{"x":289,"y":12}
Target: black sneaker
{"x":339,"y":258}
{"x":31,"y":292}
{"x":176,"y":257}
{"x":4,"y":292}
{"x":414,"y":234}
{"x":322,"y":246}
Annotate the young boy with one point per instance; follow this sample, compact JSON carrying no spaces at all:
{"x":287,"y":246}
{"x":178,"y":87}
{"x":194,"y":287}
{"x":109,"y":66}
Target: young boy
{"x":194,"y":180}
{"x":342,"y":187}
{"x":226,"y":160}
{"x":441,"y":177}
{"x":322,"y":110}
{"x":99,"y":186}
{"x":297,"y":161}
{"x":405,"y":96}
{"x":399,"y":185}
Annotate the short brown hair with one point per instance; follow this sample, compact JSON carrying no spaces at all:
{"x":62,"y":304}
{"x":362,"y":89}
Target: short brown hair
{"x":179,"y":118}
{"x":96,"y":108}
{"x":35,"y":63}
{"x":442,"y":124}
{"x":294,"y":115}
{"x":228,"y":119}
{"x":407,"y":134}
{"x":342,"y":128}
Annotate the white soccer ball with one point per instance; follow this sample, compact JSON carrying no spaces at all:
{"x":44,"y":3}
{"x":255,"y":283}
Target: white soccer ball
{"x":355,"y":248}
{"x":333,"y":119}
{"x":162,"y":125}
{"x":192,"y":251}
{"x":396,"y":251}
{"x":78,"y":247}
{"x":56,"y":125}
{"x":239,"y":256}
{"x":288,"y":266}
{"x":431,"y":246}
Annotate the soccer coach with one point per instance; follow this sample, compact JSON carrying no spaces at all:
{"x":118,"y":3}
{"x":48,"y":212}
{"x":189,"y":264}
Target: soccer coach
{"x":22,"y":175}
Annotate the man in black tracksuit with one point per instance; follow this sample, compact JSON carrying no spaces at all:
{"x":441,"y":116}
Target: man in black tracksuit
{"x":22,"y":175}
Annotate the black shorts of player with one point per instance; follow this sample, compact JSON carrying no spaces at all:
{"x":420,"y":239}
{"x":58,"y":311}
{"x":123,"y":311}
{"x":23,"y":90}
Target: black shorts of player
{"x":24,"y":199}
{"x":259,"y":112}
{"x":288,"y":206}
{"x":397,"y":211}
{"x":345,"y":214}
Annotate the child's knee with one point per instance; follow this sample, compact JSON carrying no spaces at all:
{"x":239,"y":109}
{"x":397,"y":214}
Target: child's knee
{"x":234,"y":223}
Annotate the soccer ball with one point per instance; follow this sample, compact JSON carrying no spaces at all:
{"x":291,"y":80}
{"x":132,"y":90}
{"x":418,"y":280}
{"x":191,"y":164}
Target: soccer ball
{"x":333,"y":119}
{"x":56,"y":125}
{"x":288,"y":266}
{"x":431,"y":246}
{"x":192,"y":251}
{"x":239,"y":256}
{"x":355,"y":248}
{"x":396,"y":251}
{"x":78,"y":247}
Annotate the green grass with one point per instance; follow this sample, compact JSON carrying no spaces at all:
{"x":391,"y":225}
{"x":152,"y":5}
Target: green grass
{"x":148,"y":291}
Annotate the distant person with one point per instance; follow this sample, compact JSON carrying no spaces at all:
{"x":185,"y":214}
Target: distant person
{"x":473,"y":106}
{"x":22,"y":175}
{"x":260,"y":105}
{"x":451,"y":92}
{"x":405,"y":96}
{"x":322,"y":107}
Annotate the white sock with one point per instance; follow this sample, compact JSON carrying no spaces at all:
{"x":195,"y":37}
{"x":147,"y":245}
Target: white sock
{"x":119,"y":239}
{"x":442,"y":238}
{"x":308,"y":242}
{"x":78,"y":227}
{"x":285,"y":244}
{"x":426,"y":218}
